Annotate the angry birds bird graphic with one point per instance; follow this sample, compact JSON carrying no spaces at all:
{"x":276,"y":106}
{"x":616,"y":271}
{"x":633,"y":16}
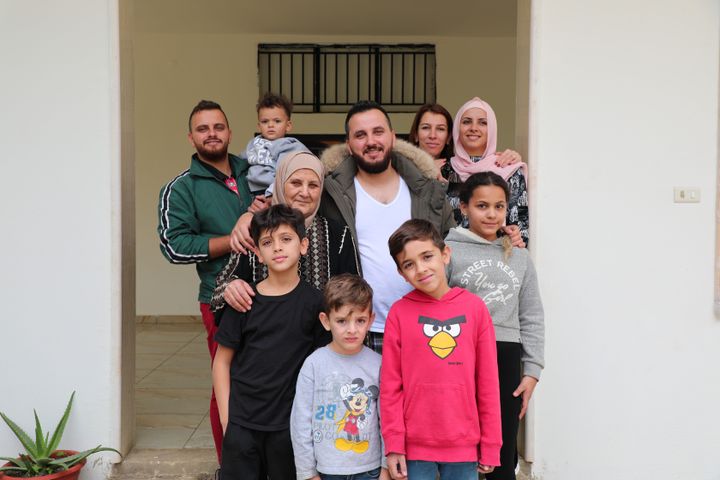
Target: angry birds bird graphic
{"x":357,"y":399}
{"x":442,"y":333}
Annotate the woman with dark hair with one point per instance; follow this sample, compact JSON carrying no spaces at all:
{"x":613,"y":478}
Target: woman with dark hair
{"x":431,"y":131}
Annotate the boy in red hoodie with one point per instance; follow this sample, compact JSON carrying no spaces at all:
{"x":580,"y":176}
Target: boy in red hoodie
{"x":439,"y":394}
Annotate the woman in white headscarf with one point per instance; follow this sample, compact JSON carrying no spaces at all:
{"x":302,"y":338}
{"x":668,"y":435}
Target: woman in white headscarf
{"x":298,"y":184}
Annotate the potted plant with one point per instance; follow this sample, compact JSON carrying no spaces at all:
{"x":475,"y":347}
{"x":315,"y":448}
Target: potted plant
{"x":42,"y":459}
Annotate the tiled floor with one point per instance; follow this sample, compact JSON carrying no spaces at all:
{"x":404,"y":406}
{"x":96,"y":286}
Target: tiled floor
{"x":172,"y":385}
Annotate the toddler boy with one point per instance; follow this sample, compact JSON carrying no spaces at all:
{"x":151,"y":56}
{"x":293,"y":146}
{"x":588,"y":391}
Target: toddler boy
{"x":334,"y":421}
{"x":265,"y":151}
{"x":439,"y":394}
{"x":260,"y":353}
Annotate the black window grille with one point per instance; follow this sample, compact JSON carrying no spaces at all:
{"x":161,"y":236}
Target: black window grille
{"x":331,"y":78}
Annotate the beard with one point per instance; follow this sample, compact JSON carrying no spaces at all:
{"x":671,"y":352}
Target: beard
{"x":374,"y":167}
{"x":212,"y":155}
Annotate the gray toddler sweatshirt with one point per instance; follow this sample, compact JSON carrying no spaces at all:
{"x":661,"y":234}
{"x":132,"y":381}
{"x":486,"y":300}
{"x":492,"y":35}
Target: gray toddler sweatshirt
{"x":509,"y":288}
{"x":263,"y":156}
{"x":334,"y":424}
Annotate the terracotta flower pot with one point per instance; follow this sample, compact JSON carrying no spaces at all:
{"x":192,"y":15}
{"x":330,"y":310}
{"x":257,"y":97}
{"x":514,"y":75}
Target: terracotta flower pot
{"x":71,"y":473}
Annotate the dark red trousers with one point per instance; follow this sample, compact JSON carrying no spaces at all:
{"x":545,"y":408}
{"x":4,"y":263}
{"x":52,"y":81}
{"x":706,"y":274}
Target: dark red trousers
{"x":209,"y":321}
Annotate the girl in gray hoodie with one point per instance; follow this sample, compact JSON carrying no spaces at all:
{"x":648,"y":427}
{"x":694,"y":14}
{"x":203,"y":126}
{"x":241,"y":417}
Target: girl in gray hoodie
{"x":504,"y":277}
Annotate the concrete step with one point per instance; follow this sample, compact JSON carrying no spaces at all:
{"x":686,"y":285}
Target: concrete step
{"x":190,"y":464}
{"x":179,"y":464}
{"x":524,"y":473}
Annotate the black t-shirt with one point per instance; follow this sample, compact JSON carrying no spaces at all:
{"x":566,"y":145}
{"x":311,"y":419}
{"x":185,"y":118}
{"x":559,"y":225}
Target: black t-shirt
{"x":271,"y":342}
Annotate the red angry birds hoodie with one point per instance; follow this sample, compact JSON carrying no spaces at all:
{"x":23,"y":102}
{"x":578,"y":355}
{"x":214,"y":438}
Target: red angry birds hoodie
{"x":439,"y":394}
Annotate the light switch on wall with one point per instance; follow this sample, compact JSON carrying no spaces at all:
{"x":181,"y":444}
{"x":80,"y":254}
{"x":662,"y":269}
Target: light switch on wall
{"x":687,"y":195}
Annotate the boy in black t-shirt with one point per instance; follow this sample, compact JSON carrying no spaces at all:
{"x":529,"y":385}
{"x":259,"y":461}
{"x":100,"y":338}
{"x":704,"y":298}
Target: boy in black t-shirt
{"x":260,"y":353}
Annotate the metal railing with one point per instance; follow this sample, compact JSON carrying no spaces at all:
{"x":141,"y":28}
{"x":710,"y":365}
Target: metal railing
{"x":330,"y":78}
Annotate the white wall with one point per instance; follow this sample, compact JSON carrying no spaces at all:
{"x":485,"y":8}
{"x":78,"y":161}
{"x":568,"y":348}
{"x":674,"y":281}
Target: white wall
{"x":174,"y":71}
{"x":624,"y":106}
{"x":59,"y":207}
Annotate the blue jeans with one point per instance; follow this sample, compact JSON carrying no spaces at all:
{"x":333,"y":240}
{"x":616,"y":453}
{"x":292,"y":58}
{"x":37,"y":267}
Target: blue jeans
{"x":371,"y":475}
{"x":422,"y":470}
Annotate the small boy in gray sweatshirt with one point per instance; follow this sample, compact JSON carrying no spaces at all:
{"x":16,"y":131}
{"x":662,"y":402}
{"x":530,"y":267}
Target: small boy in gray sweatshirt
{"x":334,"y":424}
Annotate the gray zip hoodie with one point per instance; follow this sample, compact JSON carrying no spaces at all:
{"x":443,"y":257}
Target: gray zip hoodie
{"x":508,"y":287}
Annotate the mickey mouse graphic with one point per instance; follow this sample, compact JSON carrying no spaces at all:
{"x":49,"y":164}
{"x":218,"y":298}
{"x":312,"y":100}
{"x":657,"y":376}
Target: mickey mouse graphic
{"x":356,"y":398}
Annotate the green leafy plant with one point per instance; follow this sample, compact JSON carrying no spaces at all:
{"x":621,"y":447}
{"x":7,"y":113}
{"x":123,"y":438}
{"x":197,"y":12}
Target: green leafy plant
{"x":41,"y":456}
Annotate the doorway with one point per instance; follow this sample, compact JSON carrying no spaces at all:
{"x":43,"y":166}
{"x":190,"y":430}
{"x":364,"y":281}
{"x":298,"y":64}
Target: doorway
{"x":166,"y":72}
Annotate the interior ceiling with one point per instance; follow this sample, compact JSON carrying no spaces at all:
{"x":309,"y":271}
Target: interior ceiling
{"x":487,"y":18}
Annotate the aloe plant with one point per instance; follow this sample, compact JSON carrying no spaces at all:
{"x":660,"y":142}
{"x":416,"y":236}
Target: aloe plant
{"x":38,"y":459}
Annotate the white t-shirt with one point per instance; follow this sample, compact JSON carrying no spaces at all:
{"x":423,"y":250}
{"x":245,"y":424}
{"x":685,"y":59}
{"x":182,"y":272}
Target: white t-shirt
{"x":375,"y":222}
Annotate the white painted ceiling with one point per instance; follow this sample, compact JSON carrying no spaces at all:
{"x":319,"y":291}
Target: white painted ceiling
{"x":487,"y":18}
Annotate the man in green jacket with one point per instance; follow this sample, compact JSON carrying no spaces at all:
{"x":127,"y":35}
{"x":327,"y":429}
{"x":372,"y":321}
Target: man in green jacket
{"x":197,"y":211}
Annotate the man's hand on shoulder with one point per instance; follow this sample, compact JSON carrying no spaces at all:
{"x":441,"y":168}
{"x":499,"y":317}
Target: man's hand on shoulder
{"x":238,"y":294}
{"x":259,"y":204}
{"x":240,"y":239}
